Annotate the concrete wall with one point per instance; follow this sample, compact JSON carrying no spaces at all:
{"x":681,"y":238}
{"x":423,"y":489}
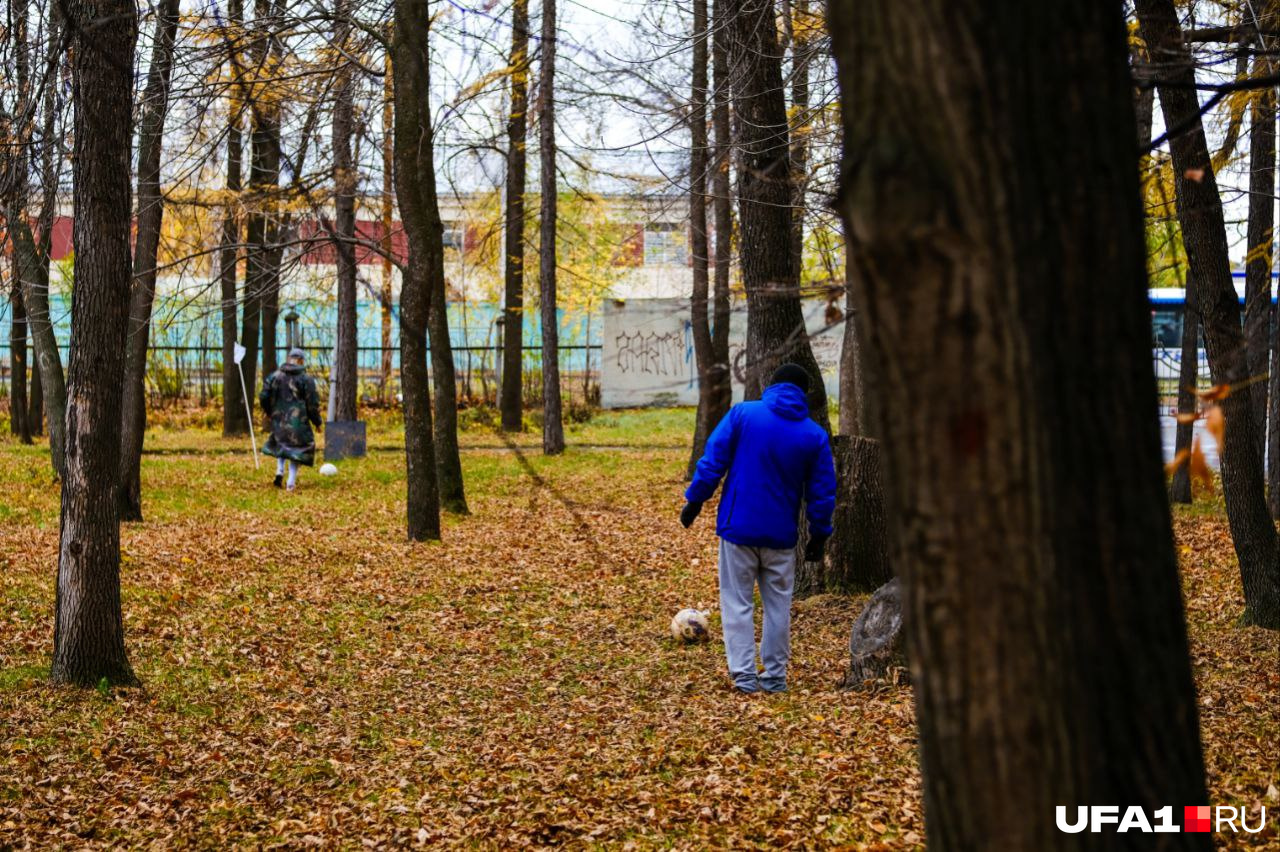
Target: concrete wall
{"x":648,"y":359}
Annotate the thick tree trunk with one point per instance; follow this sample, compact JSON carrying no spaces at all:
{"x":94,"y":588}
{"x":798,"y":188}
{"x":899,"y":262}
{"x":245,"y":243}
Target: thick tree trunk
{"x":876,"y":644}
{"x":18,"y":367}
{"x":448,"y":463}
{"x":855,"y":388}
{"x":155,"y":103}
{"x":420,"y":215}
{"x":552,"y":424}
{"x":345,"y":379}
{"x":235,"y":417}
{"x":1042,"y":603}
{"x":1258,"y":259}
{"x":857,"y":557}
{"x":1188,"y":380}
{"x":1205,"y":238}
{"x":721,"y":375}
{"x":703,"y":352}
{"x":776,"y":331}
{"x":88,"y":638}
{"x":512,"y":393}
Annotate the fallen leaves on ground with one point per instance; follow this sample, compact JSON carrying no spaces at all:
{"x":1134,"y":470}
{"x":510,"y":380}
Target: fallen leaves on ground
{"x":313,"y":680}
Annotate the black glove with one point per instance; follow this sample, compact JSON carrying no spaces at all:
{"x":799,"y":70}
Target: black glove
{"x":814,"y":549}
{"x":690,"y":513}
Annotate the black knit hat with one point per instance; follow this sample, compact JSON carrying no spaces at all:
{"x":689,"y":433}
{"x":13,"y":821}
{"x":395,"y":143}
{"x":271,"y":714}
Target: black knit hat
{"x":792,"y":374}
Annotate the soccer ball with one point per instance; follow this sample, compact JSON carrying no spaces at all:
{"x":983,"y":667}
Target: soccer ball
{"x":690,"y":626}
{"x":328,"y":469}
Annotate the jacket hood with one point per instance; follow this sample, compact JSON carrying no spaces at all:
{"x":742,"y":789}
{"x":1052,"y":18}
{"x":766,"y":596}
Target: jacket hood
{"x":787,"y":400}
{"x":292,"y":369}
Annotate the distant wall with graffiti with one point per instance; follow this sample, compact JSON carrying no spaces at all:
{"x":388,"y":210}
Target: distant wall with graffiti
{"x":647,"y":356}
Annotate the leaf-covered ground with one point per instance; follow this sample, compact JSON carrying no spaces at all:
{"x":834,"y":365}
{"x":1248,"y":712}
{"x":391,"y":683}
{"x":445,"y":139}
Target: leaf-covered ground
{"x":311,"y":679}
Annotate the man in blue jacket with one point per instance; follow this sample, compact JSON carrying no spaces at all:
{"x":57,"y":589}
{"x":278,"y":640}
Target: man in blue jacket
{"x":774,"y":457}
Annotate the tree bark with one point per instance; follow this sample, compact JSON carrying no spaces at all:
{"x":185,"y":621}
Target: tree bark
{"x":703,"y":352}
{"x":857,"y":557}
{"x":388,"y":222}
{"x":512,"y":393}
{"x":876,"y":644}
{"x":31,"y":264}
{"x":258,"y":319}
{"x":448,"y":462}
{"x":552,"y":424}
{"x":155,"y":103}
{"x":801,"y":56}
{"x":1258,"y":259}
{"x":345,"y":379}
{"x":1042,"y":603}
{"x":1204,"y":236}
{"x":235,"y":417}
{"x":1188,"y":380}
{"x":35,"y":405}
{"x":721,"y":376}
{"x":18,"y":367}
{"x":776,"y":331}
{"x":420,"y":217}
{"x":88,"y":638}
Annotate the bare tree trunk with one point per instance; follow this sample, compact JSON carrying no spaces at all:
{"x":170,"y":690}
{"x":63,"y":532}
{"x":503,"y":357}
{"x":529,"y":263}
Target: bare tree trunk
{"x":1188,"y":379}
{"x":88,"y":637}
{"x":512,"y":393}
{"x":855,"y":390}
{"x":235,"y":417}
{"x":345,"y":379}
{"x":798,"y":28}
{"x":1258,"y":259}
{"x":258,"y":319}
{"x":704,"y":356}
{"x":1042,"y":605}
{"x":420,"y":215}
{"x":150,"y":217}
{"x":33,"y":273}
{"x":448,"y":462}
{"x":1204,"y":235}
{"x":388,"y":222}
{"x":721,"y":376}
{"x":776,"y":331}
{"x":18,"y":424}
{"x":552,"y":425}
{"x":35,"y":405}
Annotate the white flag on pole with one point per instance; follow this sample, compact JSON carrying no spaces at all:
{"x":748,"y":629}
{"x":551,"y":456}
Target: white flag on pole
{"x":239,"y":353}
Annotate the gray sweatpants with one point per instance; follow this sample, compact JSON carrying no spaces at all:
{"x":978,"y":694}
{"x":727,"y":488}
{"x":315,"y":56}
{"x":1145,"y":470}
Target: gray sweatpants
{"x":741,"y":568}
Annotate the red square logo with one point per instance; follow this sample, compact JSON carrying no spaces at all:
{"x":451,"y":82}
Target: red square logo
{"x":1195,"y":818}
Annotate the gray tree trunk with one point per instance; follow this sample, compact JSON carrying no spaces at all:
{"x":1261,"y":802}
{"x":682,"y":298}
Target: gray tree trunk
{"x":1188,"y":379}
{"x":235,"y":417}
{"x":1041,"y":597}
{"x":345,"y":387}
{"x":552,"y":422}
{"x":18,"y":424}
{"x":1205,"y":238}
{"x":776,"y":331}
{"x":512,"y":393}
{"x":88,"y":636}
{"x":155,"y":104}
{"x":420,"y":216}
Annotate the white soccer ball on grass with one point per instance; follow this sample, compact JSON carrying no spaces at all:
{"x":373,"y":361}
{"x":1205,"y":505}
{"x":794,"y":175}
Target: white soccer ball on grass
{"x":690,"y":626}
{"x":328,"y":469}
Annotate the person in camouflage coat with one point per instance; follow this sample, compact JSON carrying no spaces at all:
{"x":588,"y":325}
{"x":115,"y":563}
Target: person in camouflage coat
{"x":290,"y":399}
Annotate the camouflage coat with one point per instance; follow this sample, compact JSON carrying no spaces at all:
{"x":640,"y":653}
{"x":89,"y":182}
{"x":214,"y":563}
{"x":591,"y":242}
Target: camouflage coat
{"x":289,"y":398}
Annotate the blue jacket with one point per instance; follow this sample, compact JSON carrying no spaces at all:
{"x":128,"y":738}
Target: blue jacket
{"x":774,"y":455}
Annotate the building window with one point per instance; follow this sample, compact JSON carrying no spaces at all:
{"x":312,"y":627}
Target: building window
{"x":665,"y":244}
{"x":453,"y":236}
